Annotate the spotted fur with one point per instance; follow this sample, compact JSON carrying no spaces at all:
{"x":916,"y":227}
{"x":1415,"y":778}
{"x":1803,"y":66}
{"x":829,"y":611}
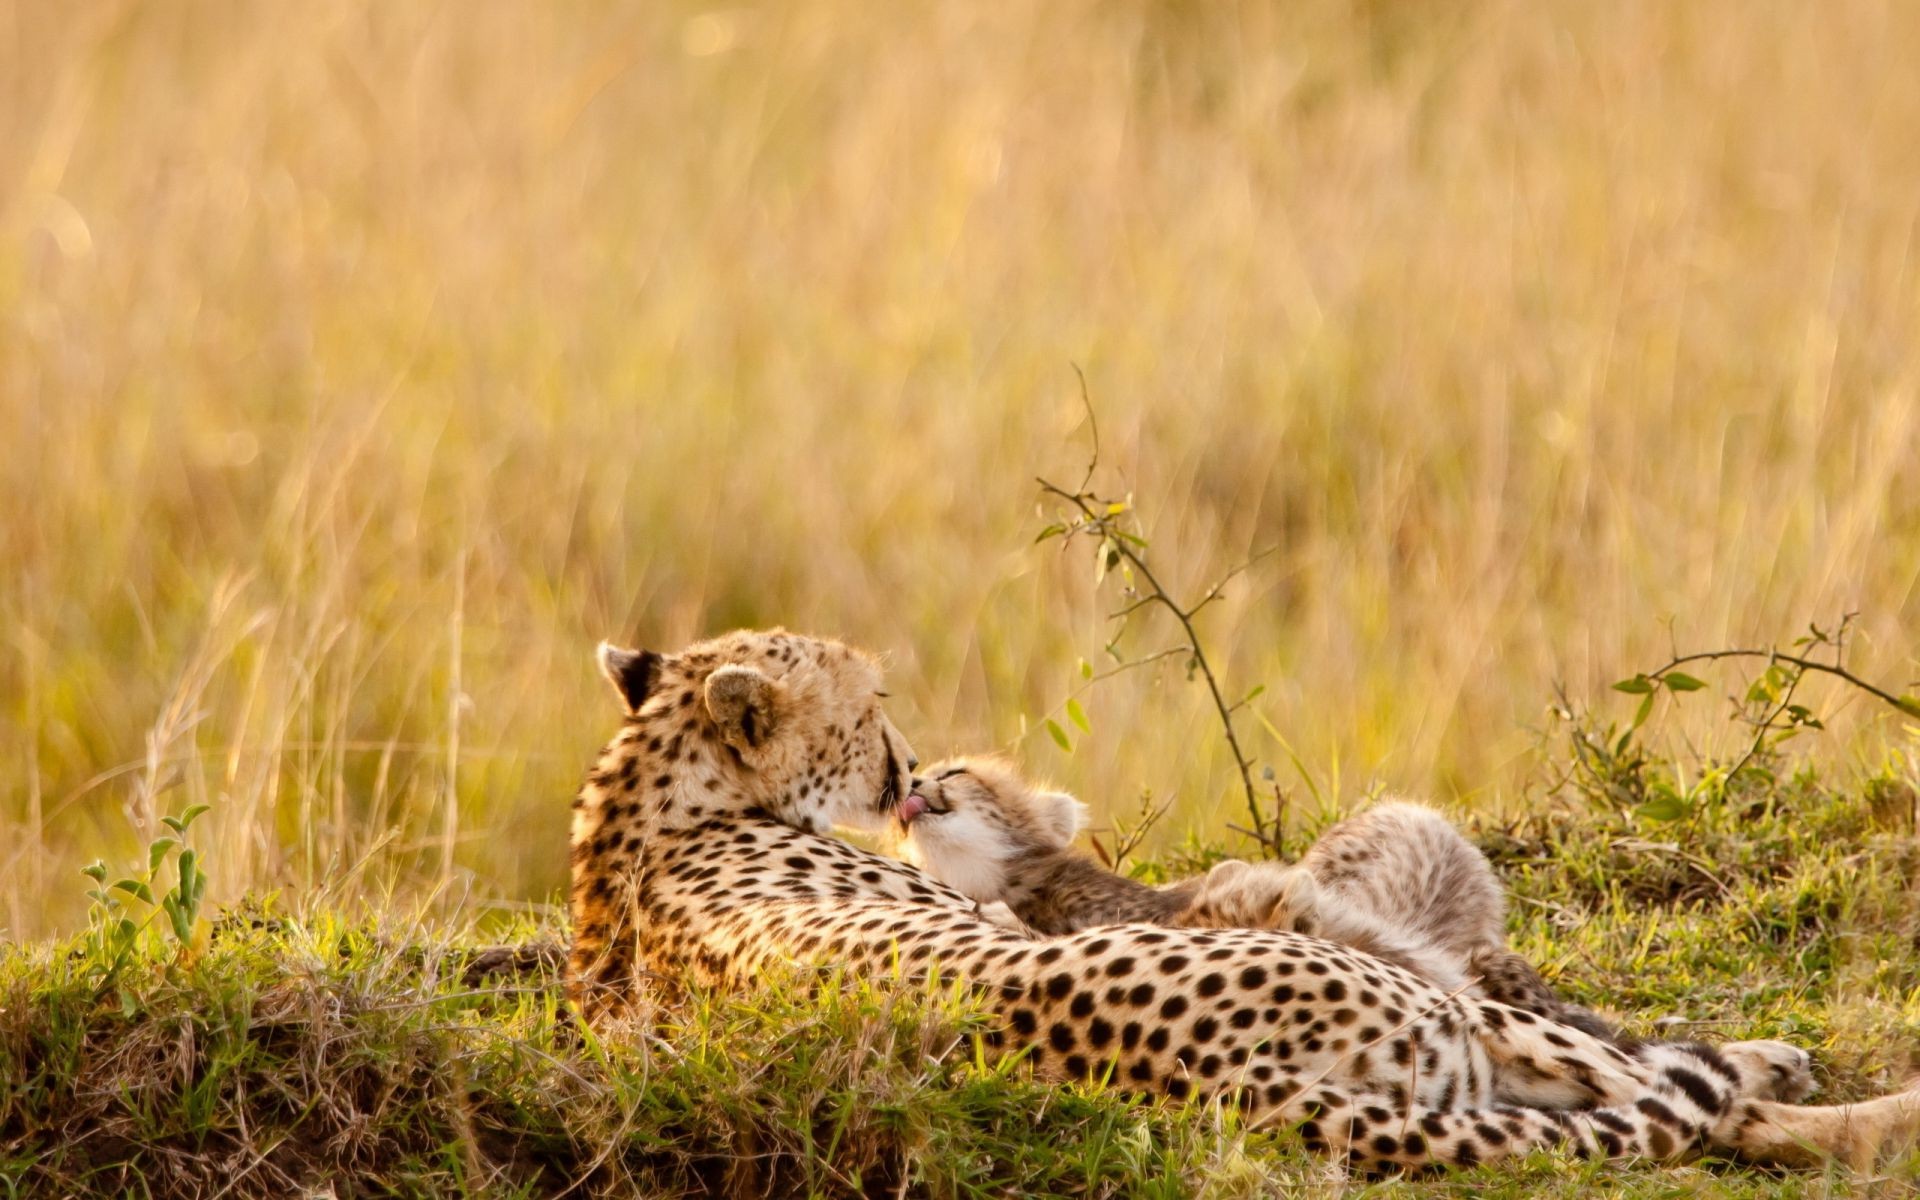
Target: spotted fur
{"x":1398,"y":882}
{"x":699,"y":852}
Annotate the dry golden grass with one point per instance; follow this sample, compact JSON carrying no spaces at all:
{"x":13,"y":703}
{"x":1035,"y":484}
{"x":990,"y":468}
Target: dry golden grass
{"x":363,"y":363}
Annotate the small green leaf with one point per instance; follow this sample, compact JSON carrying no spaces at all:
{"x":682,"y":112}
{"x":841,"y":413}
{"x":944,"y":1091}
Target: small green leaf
{"x":157,"y":851}
{"x":1645,"y":710}
{"x":174,"y":823}
{"x":189,"y":863}
{"x":1639,"y":685}
{"x":1086,"y":669}
{"x":1680,"y":681}
{"x":177,"y":917}
{"x":1254,"y":694}
{"x":1053,"y":530}
{"x":127,"y":1006}
{"x":193,"y":811}
{"x":134,"y":887}
{"x":1116,"y":508}
{"x":1059,"y":735}
{"x":95,"y":870}
{"x":1909,"y":705}
{"x":1800,"y":714}
{"x":1078,"y":715}
{"x":1665,"y":807}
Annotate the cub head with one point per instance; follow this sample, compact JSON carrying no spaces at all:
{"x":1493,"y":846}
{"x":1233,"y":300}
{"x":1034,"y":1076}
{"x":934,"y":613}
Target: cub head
{"x":771,"y":720}
{"x":968,"y":822}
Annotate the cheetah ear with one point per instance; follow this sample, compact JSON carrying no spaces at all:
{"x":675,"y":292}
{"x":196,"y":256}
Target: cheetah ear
{"x":741,"y":701}
{"x":1061,"y":816}
{"x":631,"y":672}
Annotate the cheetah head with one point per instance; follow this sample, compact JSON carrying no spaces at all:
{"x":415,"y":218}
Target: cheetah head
{"x":788,"y":724}
{"x":967,"y":821}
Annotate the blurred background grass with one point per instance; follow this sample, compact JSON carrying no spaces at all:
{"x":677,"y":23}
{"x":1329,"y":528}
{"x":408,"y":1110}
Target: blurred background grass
{"x":362,"y":364}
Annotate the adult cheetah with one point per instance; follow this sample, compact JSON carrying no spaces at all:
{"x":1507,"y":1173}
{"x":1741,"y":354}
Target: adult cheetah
{"x":699,"y":849}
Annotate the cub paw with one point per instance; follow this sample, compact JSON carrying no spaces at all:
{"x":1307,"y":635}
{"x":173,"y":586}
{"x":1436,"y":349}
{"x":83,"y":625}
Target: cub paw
{"x":998,"y":913}
{"x":1511,"y":980}
{"x":1238,"y":895}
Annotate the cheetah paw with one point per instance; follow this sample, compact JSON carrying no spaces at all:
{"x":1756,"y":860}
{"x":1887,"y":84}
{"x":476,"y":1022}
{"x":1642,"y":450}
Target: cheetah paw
{"x":1770,"y":1070}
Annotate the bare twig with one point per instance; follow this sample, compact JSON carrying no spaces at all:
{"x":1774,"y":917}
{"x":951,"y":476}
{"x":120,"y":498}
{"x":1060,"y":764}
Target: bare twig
{"x":1099,"y":517}
{"x":1127,"y":838}
{"x":1093,"y":424}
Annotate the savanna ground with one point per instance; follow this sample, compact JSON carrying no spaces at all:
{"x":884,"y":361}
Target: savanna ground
{"x":363,"y":364}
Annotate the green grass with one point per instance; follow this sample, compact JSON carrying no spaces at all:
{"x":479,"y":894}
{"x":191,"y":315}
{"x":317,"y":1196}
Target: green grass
{"x":291,"y":1048}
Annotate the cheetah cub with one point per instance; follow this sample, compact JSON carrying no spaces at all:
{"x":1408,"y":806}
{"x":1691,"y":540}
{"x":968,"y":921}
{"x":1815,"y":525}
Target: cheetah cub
{"x":1397,"y":882}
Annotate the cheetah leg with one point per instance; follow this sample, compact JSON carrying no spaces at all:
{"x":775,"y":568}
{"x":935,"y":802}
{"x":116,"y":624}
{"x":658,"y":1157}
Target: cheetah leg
{"x":1352,"y":1125}
{"x":1545,"y":1065}
{"x":1658,"y":1124}
{"x":1548,"y":1065}
{"x":1797,"y":1135}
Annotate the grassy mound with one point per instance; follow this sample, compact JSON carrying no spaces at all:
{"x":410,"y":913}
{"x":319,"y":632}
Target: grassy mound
{"x":295,"y":1052}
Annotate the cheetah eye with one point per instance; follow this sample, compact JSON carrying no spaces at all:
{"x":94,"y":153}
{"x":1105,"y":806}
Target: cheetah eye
{"x":883,"y":695}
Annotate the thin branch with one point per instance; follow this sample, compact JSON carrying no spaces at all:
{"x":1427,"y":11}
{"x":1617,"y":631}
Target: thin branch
{"x":1127,"y":838}
{"x":1906,"y":704}
{"x":1097,"y":521}
{"x":1764,"y":726}
{"x":1086,"y":401}
{"x":1213,"y":593}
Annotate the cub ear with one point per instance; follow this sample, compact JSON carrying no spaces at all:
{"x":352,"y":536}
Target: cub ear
{"x":631,"y":672}
{"x":741,"y":701}
{"x":1061,"y":816}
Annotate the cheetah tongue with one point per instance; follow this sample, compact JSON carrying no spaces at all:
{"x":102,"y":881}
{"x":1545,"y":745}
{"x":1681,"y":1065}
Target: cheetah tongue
{"x":911,"y":807}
